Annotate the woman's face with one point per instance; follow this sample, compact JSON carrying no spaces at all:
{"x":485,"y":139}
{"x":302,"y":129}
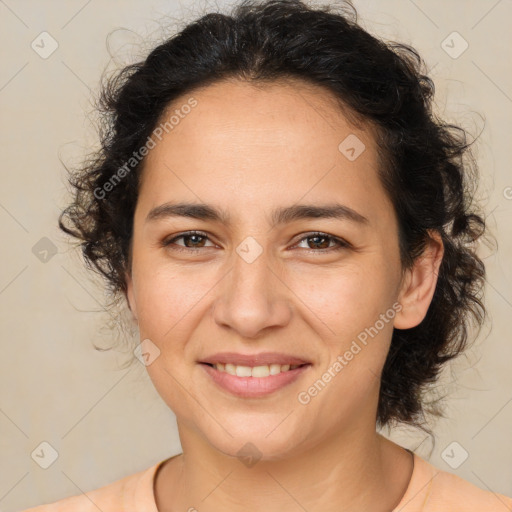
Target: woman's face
{"x":257,"y":279}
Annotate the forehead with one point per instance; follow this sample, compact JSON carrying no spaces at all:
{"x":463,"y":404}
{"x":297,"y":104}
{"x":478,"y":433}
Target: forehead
{"x":244,"y":141}
{"x":280,"y":118}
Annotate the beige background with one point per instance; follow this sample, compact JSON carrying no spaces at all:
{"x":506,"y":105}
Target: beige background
{"x":106,"y":422}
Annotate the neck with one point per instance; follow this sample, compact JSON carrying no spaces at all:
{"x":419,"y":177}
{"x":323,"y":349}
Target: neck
{"x":359,"y":471}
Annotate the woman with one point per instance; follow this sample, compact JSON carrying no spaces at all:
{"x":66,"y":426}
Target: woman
{"x":293,"y":233}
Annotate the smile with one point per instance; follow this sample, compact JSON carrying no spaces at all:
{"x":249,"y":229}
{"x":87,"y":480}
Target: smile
{"x":253,"y":382}
{"x":254,"y":371}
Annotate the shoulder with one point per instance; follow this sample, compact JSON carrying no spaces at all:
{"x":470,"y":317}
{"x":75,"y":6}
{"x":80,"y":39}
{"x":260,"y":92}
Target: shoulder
{"x":134,"y":489}
{"x":455,"y":493}
{"x":444,"y":491}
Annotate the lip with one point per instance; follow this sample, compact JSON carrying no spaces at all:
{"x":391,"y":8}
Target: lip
{"x":253,"y":387}
{"x":261,"y":359}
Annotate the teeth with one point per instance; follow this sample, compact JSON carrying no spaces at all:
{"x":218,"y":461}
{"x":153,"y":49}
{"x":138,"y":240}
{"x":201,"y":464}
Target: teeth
{"x":230,"y":368}
{"x":275,"y":369}
{"x":256,"y":371}
{"x":260,"y":371}
{"x":243,"y":371}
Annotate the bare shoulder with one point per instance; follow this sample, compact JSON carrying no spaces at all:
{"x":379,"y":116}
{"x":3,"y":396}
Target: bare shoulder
{"x":75,"y":503}
{"x":451,"y":492}
{"x":136,"y":488}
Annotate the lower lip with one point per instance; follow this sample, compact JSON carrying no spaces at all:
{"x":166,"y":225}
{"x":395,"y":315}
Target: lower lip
{"x":253,"y":387}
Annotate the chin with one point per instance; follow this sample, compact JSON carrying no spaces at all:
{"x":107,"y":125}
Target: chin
{"x":253,"y":440}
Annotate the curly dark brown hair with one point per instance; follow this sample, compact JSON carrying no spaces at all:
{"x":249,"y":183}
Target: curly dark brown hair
{"x":426,"y":165}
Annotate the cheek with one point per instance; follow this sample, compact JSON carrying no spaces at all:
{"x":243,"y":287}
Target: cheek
{"x":346,"y":298}
{"x":170,"y":302}
{"x":356,"y":304}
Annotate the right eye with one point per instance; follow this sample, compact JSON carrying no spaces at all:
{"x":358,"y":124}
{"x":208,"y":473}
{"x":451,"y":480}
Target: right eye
{"x":195,"y":238}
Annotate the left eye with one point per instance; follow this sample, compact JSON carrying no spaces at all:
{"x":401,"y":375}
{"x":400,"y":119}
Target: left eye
{"x":322,"y":241}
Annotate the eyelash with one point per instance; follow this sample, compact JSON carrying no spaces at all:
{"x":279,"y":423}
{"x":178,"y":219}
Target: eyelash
{"x":342,"y":244}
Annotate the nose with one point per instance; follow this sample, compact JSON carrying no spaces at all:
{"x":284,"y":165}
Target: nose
{"x":252,"y":298}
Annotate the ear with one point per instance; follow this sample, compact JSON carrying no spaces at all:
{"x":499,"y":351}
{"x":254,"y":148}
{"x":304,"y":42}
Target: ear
{"x":130,"y":296}
{"x":419,"y":284}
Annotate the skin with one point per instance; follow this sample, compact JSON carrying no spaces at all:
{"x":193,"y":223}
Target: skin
{"x":248,"y":150}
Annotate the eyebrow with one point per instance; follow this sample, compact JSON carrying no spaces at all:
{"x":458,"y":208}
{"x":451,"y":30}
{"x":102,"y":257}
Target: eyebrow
{"x":278,"y":216}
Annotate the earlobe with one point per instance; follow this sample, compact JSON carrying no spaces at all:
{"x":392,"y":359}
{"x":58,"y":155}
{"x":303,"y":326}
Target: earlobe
{"x":419,"y":284}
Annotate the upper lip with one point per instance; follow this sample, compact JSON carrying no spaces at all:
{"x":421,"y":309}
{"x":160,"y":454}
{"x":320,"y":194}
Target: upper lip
{"x":261,"y":359}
